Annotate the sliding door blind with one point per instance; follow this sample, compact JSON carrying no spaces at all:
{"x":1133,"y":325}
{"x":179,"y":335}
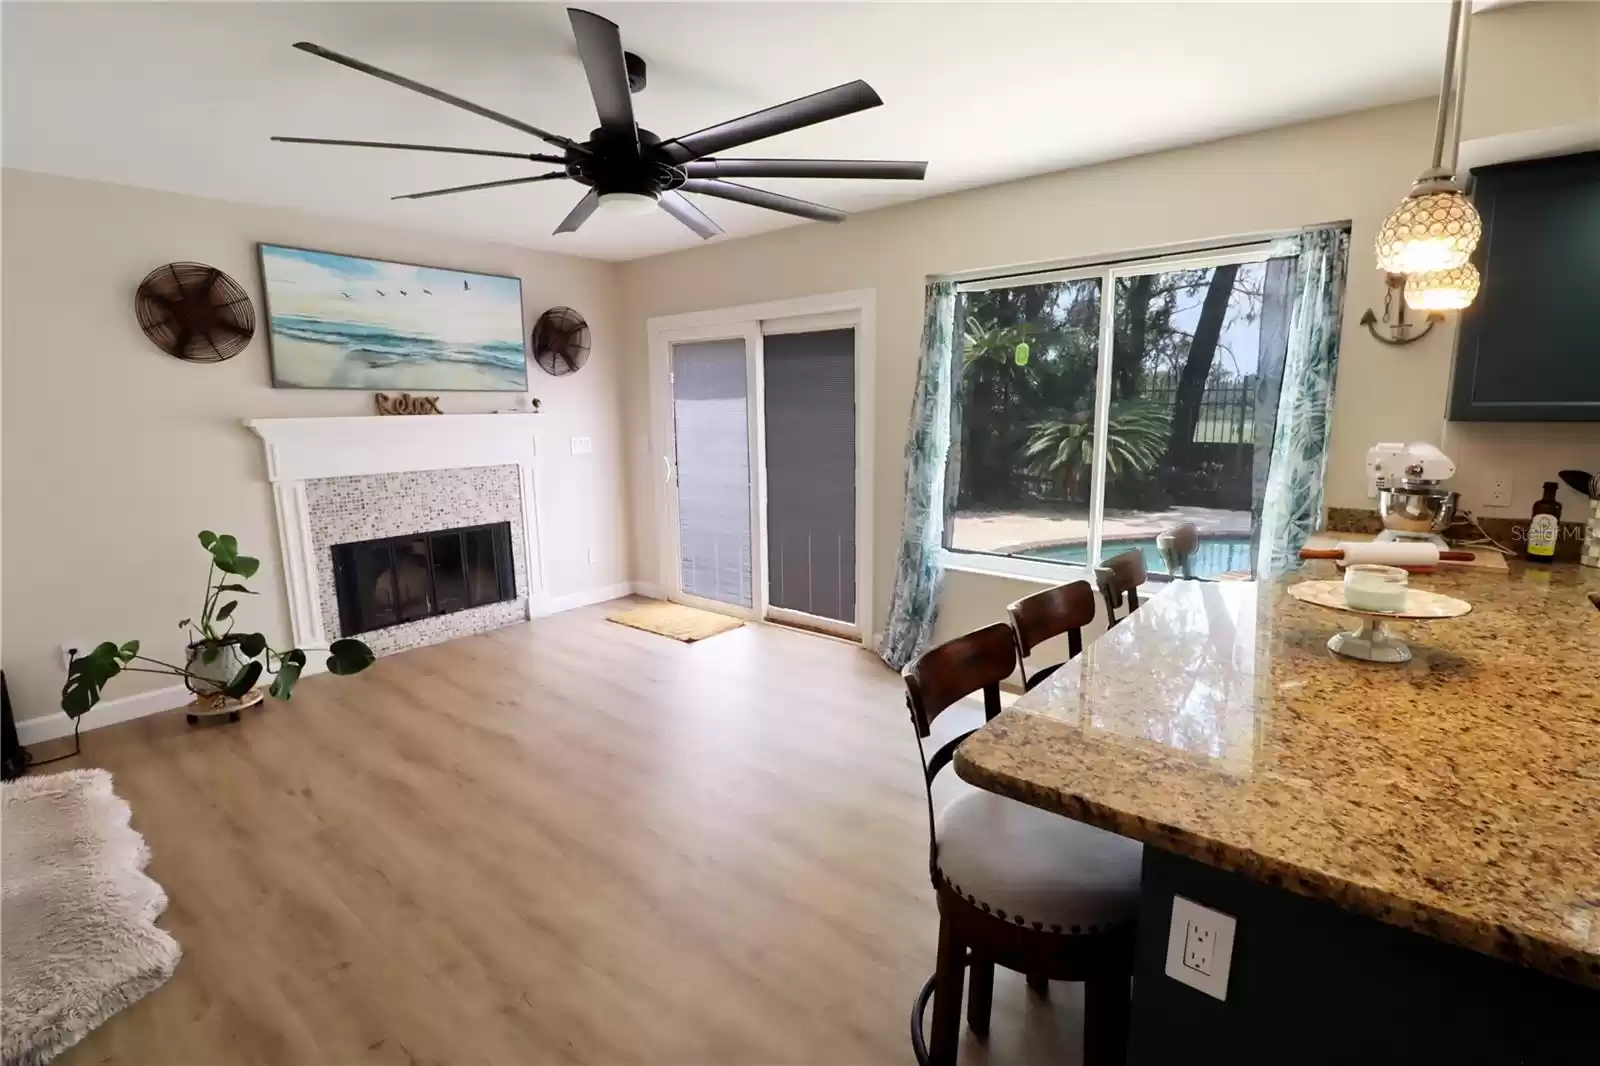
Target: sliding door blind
{"x":709,"y":395}
{"x":811,"y":468}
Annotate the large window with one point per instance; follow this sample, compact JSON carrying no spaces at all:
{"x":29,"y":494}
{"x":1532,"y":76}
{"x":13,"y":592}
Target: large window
{"x":1065,"y":455}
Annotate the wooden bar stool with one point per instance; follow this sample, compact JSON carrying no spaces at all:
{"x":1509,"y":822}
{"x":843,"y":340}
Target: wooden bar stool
{"x":1119,"y":578}
{"x":1037,"y":618}
{"x":1017,"y":886}
{"x":1178,"y":547}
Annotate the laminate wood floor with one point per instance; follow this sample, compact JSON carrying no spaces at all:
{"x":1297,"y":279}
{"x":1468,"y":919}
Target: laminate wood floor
{"x":563,"y":842}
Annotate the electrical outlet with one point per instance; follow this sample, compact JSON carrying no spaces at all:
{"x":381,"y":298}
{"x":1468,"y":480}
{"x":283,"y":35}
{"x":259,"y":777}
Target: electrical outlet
{"x":1199,"y":942}
{"x":1200,"y":947}
{"x":1499,"y":494}
{"x":71,"y":649}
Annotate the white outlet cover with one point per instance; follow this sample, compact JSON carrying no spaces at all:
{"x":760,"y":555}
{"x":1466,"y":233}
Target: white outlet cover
{"x":1499,"y":492}
{"x":1200,"y":947}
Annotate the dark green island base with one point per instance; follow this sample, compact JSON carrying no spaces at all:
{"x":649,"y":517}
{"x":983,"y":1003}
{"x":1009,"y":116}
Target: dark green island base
{"x":1411,"y":851}
{"x":1312,"y":984}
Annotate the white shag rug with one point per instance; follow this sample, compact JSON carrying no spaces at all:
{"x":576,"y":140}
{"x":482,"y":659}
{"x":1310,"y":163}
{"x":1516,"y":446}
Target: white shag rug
{"x":77,"y":915}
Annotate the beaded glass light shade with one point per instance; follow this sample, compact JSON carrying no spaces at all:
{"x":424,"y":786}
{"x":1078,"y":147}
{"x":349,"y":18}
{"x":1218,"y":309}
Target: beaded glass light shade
{"x":1428,"y":232}
{"x":1442,"y":290}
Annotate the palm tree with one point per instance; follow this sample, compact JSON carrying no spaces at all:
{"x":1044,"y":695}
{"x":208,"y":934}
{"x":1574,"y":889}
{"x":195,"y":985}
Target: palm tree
{"x":1062,"y":448}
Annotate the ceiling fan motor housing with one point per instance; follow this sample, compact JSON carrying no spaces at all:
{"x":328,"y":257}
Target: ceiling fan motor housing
{"x":609,"y":165}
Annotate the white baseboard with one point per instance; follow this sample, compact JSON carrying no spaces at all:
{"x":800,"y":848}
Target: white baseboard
{"x":548,"y":605}
{"x":126,"y":708}
{"x":106,"y":712}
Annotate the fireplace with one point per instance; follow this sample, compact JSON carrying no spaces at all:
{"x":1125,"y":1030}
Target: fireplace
{"x":394,"y":580}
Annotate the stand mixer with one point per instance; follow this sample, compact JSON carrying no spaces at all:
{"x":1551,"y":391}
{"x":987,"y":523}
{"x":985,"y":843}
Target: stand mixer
{"x":1411,"y":502}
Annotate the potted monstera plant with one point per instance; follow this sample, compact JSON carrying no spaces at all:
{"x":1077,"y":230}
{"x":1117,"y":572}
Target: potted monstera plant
{"x":221,"y":665}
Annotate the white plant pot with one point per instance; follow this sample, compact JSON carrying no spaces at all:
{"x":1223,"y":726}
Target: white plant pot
{"x":209,"y":679}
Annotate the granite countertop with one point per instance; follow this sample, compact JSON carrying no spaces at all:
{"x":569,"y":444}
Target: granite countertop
{"x":1457,"y":794}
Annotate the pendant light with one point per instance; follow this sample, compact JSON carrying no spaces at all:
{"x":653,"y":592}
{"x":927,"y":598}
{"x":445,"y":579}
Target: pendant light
{"x":1435,"y":228}
{"x":1442,"y":290}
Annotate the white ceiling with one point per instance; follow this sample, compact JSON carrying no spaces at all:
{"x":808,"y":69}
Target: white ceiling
{"x":184,"y":96}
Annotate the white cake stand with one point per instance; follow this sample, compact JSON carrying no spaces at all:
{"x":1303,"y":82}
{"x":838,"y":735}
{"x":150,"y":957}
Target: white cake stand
{"x":1372,"y":641}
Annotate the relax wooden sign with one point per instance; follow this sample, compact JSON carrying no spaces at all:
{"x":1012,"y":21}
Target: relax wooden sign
{"x":406,"y":404}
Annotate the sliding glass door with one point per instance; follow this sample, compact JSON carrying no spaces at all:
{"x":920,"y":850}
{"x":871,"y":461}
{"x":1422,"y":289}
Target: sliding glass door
{"x":711,"y":426}
{"x":810,"y":474}
{"x":1100,"y":406}
{"x":762,"y":469}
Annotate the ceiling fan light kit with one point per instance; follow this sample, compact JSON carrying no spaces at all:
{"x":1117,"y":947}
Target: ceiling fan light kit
{"x":631,"y":171}
{"x":629,"y":204}
{"x":1435,"y":229}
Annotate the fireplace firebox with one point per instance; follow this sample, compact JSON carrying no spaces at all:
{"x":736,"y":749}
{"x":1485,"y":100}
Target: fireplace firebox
{"x":393,"y":580}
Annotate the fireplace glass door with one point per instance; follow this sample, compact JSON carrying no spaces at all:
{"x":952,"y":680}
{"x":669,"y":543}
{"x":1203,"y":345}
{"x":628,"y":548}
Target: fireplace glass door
{"x":387,"y":582}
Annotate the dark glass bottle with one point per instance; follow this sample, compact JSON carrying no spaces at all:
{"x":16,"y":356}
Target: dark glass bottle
{"x":1544,"y":527}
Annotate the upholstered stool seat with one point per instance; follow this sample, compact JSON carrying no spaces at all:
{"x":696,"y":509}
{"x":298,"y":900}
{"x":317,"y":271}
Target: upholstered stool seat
{"x":1037,"y":869}
{"x":1021,"y":888}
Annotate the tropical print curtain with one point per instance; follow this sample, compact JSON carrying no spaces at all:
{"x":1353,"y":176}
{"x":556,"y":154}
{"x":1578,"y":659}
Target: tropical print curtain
{"x":914,"y":601}
{"x":1291,"y":507}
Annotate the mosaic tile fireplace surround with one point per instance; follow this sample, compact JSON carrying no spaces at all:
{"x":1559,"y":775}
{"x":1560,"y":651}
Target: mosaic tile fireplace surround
{"x":342,"y":510}
{"x":343,"y":480}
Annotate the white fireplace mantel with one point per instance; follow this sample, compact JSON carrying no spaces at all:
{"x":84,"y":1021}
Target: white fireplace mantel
{"x":303,"y":449}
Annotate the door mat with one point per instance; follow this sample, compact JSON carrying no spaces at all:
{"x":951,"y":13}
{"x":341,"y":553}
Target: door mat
{"x":674,"y":620}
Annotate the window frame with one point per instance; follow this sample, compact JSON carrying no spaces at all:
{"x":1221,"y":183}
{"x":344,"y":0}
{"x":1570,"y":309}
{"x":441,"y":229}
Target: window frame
{"x":1109,"y":271}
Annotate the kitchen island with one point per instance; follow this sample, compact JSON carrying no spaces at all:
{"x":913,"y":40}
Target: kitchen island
{"x":1412,"y":851}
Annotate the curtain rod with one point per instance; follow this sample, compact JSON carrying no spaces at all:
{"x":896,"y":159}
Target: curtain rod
{"x":1192,"y":248}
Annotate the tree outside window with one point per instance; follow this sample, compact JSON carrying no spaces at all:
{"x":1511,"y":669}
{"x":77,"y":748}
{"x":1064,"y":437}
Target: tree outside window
{"x":1190,"y":366}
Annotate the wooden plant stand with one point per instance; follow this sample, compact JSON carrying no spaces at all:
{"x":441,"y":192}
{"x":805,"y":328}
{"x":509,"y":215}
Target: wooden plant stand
{"x":213,"y":706}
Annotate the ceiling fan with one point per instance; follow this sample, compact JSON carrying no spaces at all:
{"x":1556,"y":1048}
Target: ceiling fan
{"x":630,"y":170}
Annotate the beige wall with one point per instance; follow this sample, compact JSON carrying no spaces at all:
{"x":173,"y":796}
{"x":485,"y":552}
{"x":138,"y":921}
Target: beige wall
{"x":1533,"y":66}
{"x":1352,"y":167}
{"x":115,"y":454}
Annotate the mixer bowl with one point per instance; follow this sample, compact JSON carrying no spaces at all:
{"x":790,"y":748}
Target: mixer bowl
{"x":1416,"y":510}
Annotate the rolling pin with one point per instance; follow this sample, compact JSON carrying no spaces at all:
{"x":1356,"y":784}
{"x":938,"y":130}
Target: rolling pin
{"x":1387,"y":553}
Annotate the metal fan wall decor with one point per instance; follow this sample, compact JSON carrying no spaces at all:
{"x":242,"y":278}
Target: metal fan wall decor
{"x":560,"y":341}
{"x":195,"y":312}
{"x":631,"y":170}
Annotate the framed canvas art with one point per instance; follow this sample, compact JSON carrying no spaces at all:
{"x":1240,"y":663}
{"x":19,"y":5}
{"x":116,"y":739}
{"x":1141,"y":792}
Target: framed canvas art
{"x":344,"y":322}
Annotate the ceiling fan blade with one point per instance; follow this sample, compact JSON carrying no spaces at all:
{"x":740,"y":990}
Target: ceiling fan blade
{"x":690,"y":215}
{"x":796,"y":114}
{"x":772,"y":201}
{"x":535,"y":157}
{"x":579,"y":214}
{"x":480,"y":185}
{"x":437,"y":94}
{"x":807,"y":168}
{"x":600,"y":48}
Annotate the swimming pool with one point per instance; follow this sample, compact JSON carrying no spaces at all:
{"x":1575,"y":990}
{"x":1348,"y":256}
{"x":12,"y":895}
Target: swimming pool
{"x":1218,"y":554}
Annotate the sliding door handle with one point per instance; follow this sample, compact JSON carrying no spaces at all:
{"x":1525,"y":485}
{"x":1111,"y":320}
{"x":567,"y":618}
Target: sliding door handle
{"x":666,"y":462}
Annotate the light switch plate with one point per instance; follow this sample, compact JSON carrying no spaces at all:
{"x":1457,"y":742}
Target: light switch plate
{"x":1200,"y":947}
{"x":582,"y":446}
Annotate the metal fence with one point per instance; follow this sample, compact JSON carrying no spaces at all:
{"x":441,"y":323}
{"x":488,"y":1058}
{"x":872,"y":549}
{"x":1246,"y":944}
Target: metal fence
{"x":1227,"y":408}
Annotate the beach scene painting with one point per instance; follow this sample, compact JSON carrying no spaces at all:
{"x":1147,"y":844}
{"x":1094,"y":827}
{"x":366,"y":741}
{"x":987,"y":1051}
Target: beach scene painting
{"x":344,"y":322}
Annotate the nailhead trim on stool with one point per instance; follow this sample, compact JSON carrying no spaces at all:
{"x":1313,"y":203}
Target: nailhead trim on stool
{"x":1017,"y":919}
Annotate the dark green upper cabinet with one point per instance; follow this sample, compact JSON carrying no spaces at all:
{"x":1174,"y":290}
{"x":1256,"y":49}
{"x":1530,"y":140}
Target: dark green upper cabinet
{"x":1529,"y":348}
